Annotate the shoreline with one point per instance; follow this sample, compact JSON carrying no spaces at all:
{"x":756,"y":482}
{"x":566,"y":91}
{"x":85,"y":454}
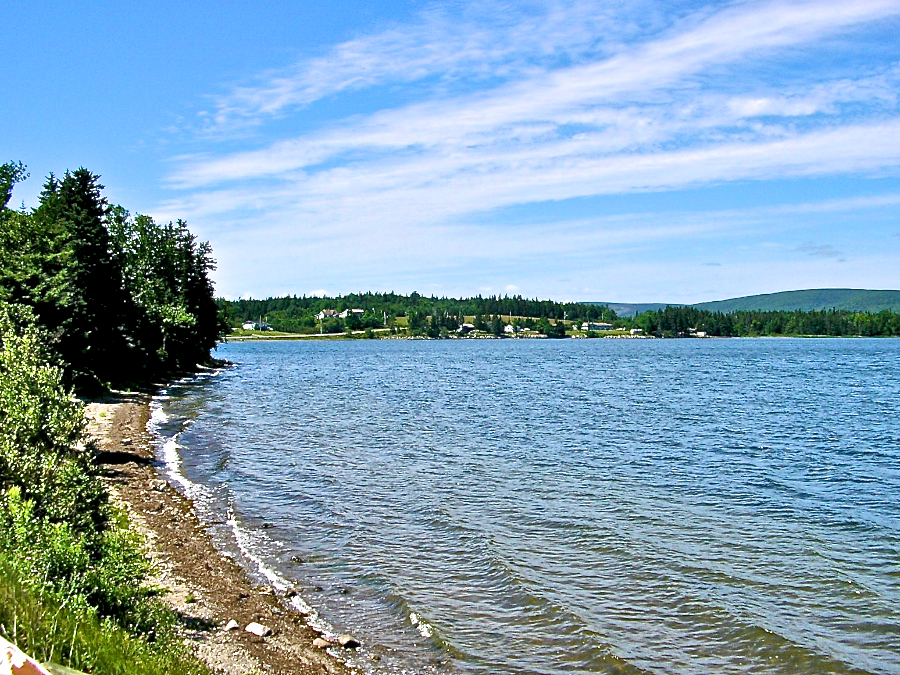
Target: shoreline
{"x":204,"y":587}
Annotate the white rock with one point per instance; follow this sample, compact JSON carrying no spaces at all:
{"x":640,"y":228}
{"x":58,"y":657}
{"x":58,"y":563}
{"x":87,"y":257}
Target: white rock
{"x":348,"y":642}
{"x":258,"y":629}
{"x":232,"y":625}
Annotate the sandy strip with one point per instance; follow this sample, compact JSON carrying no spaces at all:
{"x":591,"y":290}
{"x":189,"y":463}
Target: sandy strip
{"x":205,"y":588}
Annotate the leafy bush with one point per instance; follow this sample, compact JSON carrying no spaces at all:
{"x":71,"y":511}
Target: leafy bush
{"x":71,"y":573}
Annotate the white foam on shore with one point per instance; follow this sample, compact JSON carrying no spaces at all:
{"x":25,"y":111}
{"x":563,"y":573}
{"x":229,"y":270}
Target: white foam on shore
{"x":168,"y":453}
{"x":248,"y":541}
{"x":426,"y":630}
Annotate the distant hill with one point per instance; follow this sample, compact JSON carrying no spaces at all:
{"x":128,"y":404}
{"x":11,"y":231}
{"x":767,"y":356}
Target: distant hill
{"x":850,"y":299}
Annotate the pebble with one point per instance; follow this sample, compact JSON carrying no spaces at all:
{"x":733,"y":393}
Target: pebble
{"x":232,"y":625}
{"x":321,"y":643}
{"x":258,"y":629}
{"x":348,"y":641}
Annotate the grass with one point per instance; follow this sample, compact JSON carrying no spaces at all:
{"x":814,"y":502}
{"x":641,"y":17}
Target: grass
{"x":52,"y":628}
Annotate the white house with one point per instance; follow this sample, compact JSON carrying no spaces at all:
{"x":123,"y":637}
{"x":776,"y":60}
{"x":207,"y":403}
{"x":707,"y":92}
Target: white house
{"x":249,"y":325}
{"x":348,"y":312}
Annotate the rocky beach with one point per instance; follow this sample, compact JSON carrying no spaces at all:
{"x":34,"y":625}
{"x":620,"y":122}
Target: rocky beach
{"x":237,"y":626}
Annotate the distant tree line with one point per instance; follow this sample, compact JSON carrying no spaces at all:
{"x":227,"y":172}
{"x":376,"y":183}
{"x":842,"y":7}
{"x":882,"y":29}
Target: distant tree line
{"x":123,"y":299}
{"x":298,"y":313}
{"x":434,"y":317}
{"x":678,"y":321}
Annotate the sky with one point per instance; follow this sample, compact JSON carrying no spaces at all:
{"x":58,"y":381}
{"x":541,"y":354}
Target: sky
{"x":619,"y":151}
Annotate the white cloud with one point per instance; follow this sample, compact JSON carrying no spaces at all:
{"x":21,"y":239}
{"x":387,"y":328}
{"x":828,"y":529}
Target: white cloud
{"x":485,"y":41}
{"x":491,"y":42}
{"x":563,"y":101}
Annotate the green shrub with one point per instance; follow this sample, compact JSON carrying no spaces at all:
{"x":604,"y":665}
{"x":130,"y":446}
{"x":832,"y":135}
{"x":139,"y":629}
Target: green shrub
{"x":72,"y":575}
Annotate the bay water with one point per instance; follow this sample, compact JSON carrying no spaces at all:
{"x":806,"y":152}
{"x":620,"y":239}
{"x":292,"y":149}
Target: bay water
{"x":561,"y":506}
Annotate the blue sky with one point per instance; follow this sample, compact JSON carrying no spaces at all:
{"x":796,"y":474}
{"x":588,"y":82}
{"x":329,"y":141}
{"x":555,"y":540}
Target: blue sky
{"x":628,"y":151}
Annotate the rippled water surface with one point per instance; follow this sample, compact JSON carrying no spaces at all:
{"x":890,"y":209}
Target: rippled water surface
{"x":572,"y":506}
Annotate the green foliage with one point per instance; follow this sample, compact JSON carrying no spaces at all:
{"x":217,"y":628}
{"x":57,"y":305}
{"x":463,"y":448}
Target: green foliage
{"x":848,"y":299}
{"x":57,"y":628}
{"x":173,"y":320}
{"x":679,"y":321}
{"x":10,"y":174}
{"x":557,"y":330}
{"x":42,"y":429}
{"x":71,"y":574}
{"x":124,"y":300}
{"x":496,"y":326}
{"x":434,"y":327}
{"x":89,"y":320}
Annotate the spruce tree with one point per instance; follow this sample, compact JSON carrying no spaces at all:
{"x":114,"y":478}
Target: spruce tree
{"x":89,"y":326}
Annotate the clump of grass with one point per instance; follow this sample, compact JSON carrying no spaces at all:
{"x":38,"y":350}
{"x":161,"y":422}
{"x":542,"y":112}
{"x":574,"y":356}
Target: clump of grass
{"x":55,"y":628}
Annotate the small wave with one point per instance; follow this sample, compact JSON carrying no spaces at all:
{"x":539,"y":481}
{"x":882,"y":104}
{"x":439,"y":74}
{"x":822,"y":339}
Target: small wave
{"x":426,"y":630}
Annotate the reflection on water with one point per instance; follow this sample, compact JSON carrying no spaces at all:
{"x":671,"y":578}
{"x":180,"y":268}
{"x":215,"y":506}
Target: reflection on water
{"x":602,"y":506}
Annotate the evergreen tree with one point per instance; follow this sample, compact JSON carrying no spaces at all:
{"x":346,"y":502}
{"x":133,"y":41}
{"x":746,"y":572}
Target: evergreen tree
{"x":89,"y":323}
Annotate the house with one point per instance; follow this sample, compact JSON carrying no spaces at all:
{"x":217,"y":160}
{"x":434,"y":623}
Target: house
{"x":465,"y":328}
{"x":509,"y":328}
{"x":254,"y":325}
{"x":591,"y":325}
{"x":348,"y":312}
{"x":637,"y":331}
{"x":327,"y":314}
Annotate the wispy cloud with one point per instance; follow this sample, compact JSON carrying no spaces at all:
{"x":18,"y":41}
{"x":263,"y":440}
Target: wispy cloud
{"x":820,"y":250}
{"x":580,"y":44}
{"x":560,"y":100}
{"x":485,"y":42}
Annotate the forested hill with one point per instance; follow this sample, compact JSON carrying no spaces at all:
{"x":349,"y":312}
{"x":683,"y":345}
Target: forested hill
{"x":121,"y":299}
{"x":298,"y":313}
{"x":849,"y":299}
